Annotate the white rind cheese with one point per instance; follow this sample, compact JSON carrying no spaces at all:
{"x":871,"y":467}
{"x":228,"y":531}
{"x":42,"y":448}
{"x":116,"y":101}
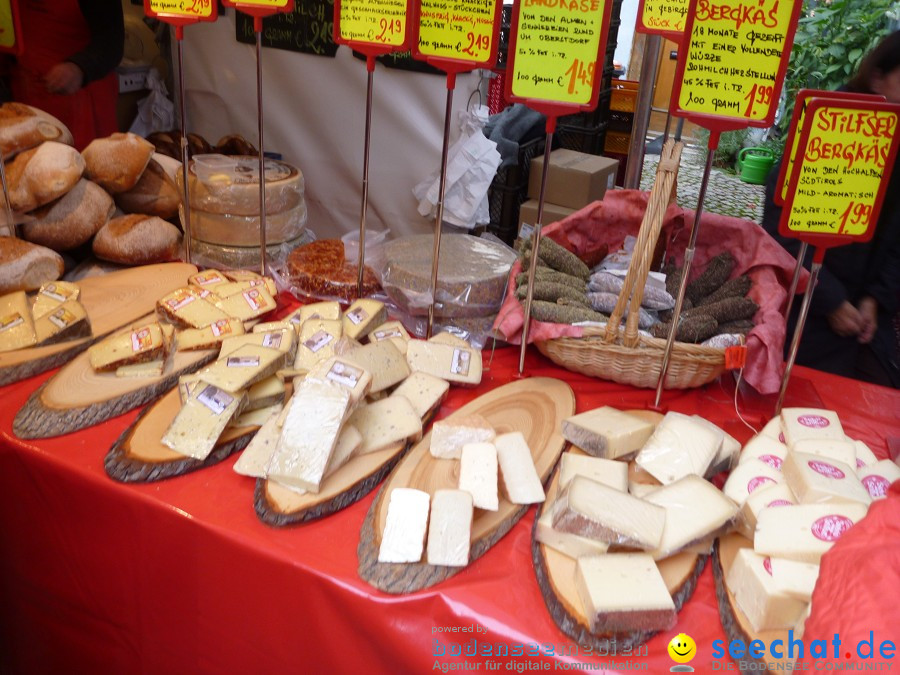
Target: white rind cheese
{"x":818,"y":479}
{"x":806,"y":531}
{"x":794,"y":579}
{"x":759,"y":596}
{"x":810,"y":423}
{"x":877,"y":478}
{"x":448,"y":362}
{"x":747,"y":478}
{"x":449,"y":436}
{"x":843,"y":451}
{"x":450,"y":528}
{"x":607,"y":432}
{"x":678,"y":447}
{"x":201,"y":420}
{"x":864,"y":455}
{"x":478,"y":474}
{"x":729,"y":452}
{"x":404,"y":529}
{"x":607,"y":471}
{"x":765,"y":449}
{"x":520,"y":478}
{"x":769,"y":496}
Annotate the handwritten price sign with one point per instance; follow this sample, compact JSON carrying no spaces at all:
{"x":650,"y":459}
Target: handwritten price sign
{"x":458,"y":30}
{"x":844,"y":159}
{"x":188,"y":11}
{"x":662,"y":17}
{"x":735,"y":60}
{"x":9,"y":27}
{"x":556,"y":51}
{"x":382,"y":23}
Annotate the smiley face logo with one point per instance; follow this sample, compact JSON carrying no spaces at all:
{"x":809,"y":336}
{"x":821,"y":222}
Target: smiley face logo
{"x":682,"y":648}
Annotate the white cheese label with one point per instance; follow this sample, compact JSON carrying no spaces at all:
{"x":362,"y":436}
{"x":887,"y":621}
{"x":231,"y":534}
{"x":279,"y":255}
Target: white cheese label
{"x":344,"y":374}
{"x":11,"y":321}
{"x":140,"y":339}
{"x":206,"y":278}
{"x":62,"y":318}
{"x":296,"y":320}
{"x":215,"y":399}
{"x":460,"y":363}
{"x":55,"y":293}
{"x":220,"y":327}
{"x":357,"y":316}
{"x":318,"y":340}
{"x":272,"y":340}
{"x":253,"y":299}
{"x":242,"y":362}
{"x":830,"y":528}
{"x":176,"y":303}
{"x":389,"y":333}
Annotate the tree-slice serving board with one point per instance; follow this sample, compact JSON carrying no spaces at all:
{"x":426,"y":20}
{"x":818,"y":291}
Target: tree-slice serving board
{"x":138,"y":455}
{"x":111,"y":301}
{"x":536,"y":407}
{"x":76,"y":397}
{"x":734,"y":621}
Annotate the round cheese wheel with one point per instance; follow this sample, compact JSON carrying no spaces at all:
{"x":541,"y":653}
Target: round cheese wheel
{"x":230,"y":185}
{"x":319,"y":270}
{"x":242,"y":257}
{"x":228,"y":230}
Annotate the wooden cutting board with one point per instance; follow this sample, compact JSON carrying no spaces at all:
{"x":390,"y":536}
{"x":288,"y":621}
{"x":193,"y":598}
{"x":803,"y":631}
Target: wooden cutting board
{"x":76,"y":397}
{"x":111,"y":301}
{"x":536,"y":407}
{"x":138,"y":455}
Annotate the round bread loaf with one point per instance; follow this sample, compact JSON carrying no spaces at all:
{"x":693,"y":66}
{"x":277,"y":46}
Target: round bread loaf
{"x":155,"y":194}
{"x":235,"y":144}
{"x":23,"y":127}
{"x":117,"y":161}
{"x":38,"y":176}
{"x":25,"y":266}
{"x":228,"y":230}
{"x":137,"y":239}
{"x":72,"y":219}
{"x":319,"y":270}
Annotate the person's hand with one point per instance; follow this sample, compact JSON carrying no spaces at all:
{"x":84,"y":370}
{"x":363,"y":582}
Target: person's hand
{"x":64,"y":78}
{"x":868,"y":313}
{"x":845,"y":320}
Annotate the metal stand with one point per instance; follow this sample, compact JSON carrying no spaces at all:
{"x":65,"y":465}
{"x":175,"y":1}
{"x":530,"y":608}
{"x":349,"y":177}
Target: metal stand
{"x":185,"y":158}
{"x":798,"y":329}
{"x":361,"y":262}
{"x":795,"y":280}
{"x":262,"y":159}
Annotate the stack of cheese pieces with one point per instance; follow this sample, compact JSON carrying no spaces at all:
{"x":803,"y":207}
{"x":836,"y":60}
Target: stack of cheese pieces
{"x":801,"y":483}
{"x":53,"y":315}
{"x":619,"y":519}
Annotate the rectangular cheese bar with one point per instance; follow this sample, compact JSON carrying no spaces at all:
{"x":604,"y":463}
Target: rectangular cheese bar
{"x":255,"y":458}
{"x":16,"y":322}
{"x":520,"y":478}
{"x":768,"y":496}
{"x":679,"y":446}
{"x":384,"y":361}
{"x":624,"y":592}
{"x":812,"y":423}
{"x":146,"y":369}
{"x":135,"y":345}
{"x":757,"y":594}
{"x":357,"y":380}
{"x":478,"y":474}
{"x":404,"y":529}
{"x":607,"y":432}
{"x":817,"y":479}
{"x":449,"y":436}
{"x":878,"y":477}
{"x":591,"y":509}
{"x":568,"y":544}
{"x":285,"y":341}
{"x":748,"y":477}
{"x":184,"y":308}
{"x":66,"y":321}
{"x":209,"y":337}
{"x":454,"y":364}
{"x":450,"y":528}
{"x":362,"y":316}
{"x":201,"y":420}
{"x":607,"y":471}
{"x":248,"y":304}
{"x":316,"y":342}
{"x":386,"y":423}
{"x":52,"y":295}
{"x":243,"y":367}
{"x":806,"y":531}
{"x":425,"y":392}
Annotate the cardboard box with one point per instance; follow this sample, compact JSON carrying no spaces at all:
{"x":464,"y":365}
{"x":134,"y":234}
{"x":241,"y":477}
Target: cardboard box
{"x":552,"y":213}
{"x":575,"y":179}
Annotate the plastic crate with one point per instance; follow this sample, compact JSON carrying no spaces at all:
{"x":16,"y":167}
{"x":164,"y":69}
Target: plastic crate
{"x":509,"y":189}
{"x":582,"y":139}
{"x":617,"y":141}
{"x":621,"y":121}
{"x":624,"y":95}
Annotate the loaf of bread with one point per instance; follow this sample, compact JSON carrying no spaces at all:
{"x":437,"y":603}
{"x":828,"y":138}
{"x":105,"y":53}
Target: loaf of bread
{"x":137,"y":239}
{"x":23,"y":127}
{"x":38,"y":176}
{"x":25,"y":266}
{"x":155,"y":194}
{"x":117,"y":162}
{"x":235,"y":144}
{"x":319,"y":270}
{"x":72,"y":219}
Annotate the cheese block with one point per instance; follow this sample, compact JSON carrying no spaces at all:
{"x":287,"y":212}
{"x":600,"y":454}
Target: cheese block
{"x":16,"y":322}
{"x":425,"y":392}
{"x":877,"y":478}
{"x":447,"y":338}
{"x":385,"y":423}
{"x":65,"y":322}
{"x":265,"y":393}
{"x":478,"y":474}
{"x":256,"y":456}
{"x":403,"y":538}
{"x":843,"y":450}
{"x":242,"y":275}
{"x":641,"y":490}
{"x":242,"y":367}
{"x":209,"y":337}
{"x":568,"y":544}
{"x":695,"y":510}
{"x":728,"y":453}
{"x":450,"y":528}
{"x":230,"y":288}
{"x":591,"y":509}
{"x":208,"y":279}
{"x":255,"y":417}
{"x":454,"y":364}
{"x":184,"y":307}
{"x":623,"y":593}
{"x":135,"y":345}
{"x":794,"y":579}
{"x":764,"y":449}
{"x":757,"y":594}
{"x":203,"y":293}
{"x":384,"y":361}
{"x":248,"y":304}
{"x":768,"y":496}
{"x":678,"y":447}
{"x":186,"y":385}
{"x":283,"y":341}
{"x":774,"y":429}
{"x":52,"y":295}
{"x":313,"y":422}
{"x":449,"y":436}
{"x":748,"y":477}
{"x":243,"y":231}
{"x":607,"y":432}
{"x":806,"y":531}
{"x":606,"y":471}
{"x":816,"y":479}
{"x":864,"y":455}
{"x":357,"y":380}
{"x":272,"y":326}
{"x":348,"y":442}
{"x":811,"y":423}
{"x":393,"y":331}
{"x":146,"y":369}
{"x":201,"y":420}
{"x":521,"y":482}
{"x":316,"y":343}
{"x":362,"y":316}
{"x":330,"y":310}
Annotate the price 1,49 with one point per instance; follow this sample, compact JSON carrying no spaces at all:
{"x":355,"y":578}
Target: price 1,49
{"x":856,"y":213}
{"x":389,"y":28}
{"x":759,"y":94}
{"x":580,"y":73}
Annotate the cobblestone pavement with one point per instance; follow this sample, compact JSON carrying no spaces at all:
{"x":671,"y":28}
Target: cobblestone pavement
{"x":726,"y":194}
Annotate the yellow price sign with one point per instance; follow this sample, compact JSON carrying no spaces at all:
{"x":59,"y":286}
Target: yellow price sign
{"x":457,"y":29}
{"x":556,"y":49}
{"x":265,"y":4}
{"x":196,"y":10}
{"x":381,"y":22}
{"x":9,"y":35}
{"x":663,"y":17}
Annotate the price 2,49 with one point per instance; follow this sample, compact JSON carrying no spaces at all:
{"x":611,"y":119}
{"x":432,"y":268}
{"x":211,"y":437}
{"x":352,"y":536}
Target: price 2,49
{"x":856,"y":213}
{"x":389,"y":28}
{"x":580,"y":73}
{"x":759,"y":94}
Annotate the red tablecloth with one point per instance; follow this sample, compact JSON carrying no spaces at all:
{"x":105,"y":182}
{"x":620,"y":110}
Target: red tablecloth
{"x":180,"y":576}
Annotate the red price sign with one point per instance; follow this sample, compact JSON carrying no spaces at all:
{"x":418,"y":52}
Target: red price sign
{"x":182,"y":12}
{"x":845,"y":155}
{"x":373,"y":27}
{"x":662,"y":17}
{"x":10,"y":31}
{"x":456,"y":35}
{"x":261,"y":8}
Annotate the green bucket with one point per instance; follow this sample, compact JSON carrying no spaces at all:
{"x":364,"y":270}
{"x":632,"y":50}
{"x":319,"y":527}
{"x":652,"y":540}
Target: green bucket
{"x":754,"y":164}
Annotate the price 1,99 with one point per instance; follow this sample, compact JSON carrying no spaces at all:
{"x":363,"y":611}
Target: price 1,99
{"x":759,"y":94}
{"x":856,"y":213}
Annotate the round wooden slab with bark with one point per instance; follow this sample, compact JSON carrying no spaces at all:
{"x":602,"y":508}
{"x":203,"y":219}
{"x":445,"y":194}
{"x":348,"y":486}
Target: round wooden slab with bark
{"x":139,"y":456}
{"x":111,"y":301}
{"x":76,"y":397}
{"x":556,"y":577}
{"x":536,"y":407}
{"x":734,"y":621}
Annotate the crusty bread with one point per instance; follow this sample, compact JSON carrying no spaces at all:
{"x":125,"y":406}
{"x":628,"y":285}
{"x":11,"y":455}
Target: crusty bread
{"x":25,"y":266}
{"x":23,"y":127}
{"x":38,"y":176}
{"x":72,"y":219}
{"x":155,"y":194}
{"x":117,"y":161}
{"x":137,"y":239}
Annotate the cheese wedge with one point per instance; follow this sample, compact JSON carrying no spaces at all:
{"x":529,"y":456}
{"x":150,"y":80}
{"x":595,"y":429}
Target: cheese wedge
{"x":765,"y":449}
{"x":449,"y":436}
{"x":678,"y":447}
{"x":316,"y":343}
{"x":445,"y":338}
{"x":330,"y":310}
{"x":136,"y":345}
{"x":878,"y":477}
{"x":591,"y":509}
{"x":817,"y":479}
{"x":806,"y":531}
{"x":52,"y":295}
{"x":248,"y":304}
{"x":256,"y":456}
{"x":208,"y":279}
{"x":403,"y":538}
{"x":478,"y":474}
{"x":201,"y":420}
{"x":454,"y":364}
{"x":568,"y":544}
{"x":385,"y":423}
{"x":606,"y":471}
{"x":623,"y":593}
{"x":425,"y":392}
{"x":843,"y":451}
{"x":244,"y":366}
{"x":272,"y":326}
{"x":729,"y":452}
{"x":357,"y":380}
{"x":768,"y":496}
{"x":185,"y":308}
{"x":209,"y":337}
{"x":748,"y":477}
{"x":265,"y":393}
{"x":348,"y":442}
{"x":864,"y":455}
{"x":146,"y":369}
{"x":284,"y":341}
{"x":16,"y":322}
{"x":811,"y":423}
{"x":186,"y":385}
{"x":393,"y":331}
{"x":794,"y":579}
{"x":641,"y":490}
{"x":521,"y":482}
{"x":607,"y":432}
{"x":362,"y":316}
{"x":773,"y":429}
{"x":384,"y":361}
{"x":243,"y":275}
{"x":450,"y":528}
{"x":759,"y":596}
{"x":65,"y":322}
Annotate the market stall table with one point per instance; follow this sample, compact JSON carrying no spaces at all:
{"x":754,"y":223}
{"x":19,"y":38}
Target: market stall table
{"x":181,"y":576}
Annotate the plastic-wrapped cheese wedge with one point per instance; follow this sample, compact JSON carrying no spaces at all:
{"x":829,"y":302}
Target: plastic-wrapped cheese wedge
{"x":679,"y":446}
{"x":384,"y":361}
{"x":729,"y":451}
{"x":461,"y":365}
{"x":248,"y":304}
{"x":806,"y":531}
{"x":449,"y":436}
{"x":759,"y":596}
{"x":348,"y":443}
{"x":811,"y":423}
{"x":607,"y":432}
{"x":362,"y":316}
{"x":52,"y":295}
{"x":568,"y":544}
{"x":748,"y":477}
{"x":769,"y":496}
{"x":794,"y":579}
{"x":404,"y":529}
{"x":450,"y":528}
{"x":243,"y":367}
{"x":202,"y":419}
{"x":385,"y":423}
{"x":606,"y":471}
{"x":316,"y":343}
{"x":878,"y":477}
{"x":774,"y":430}
{"x":393,"y":331}
{"x":816,"y":479}
{"x":864,"y":455}
{"x":339,"y":370}
{"x":478,"y":474}
{"x":766,"y":449}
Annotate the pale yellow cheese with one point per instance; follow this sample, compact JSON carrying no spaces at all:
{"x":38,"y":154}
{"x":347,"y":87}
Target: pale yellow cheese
{"x":384,"y":361}
{"x":362,"y":316}
{"x":818,"y":479}
{"x":806,"y":531}
{"x":209,"y":337}
{"x":607,"y":471}
{"x":385,"y":423}
{"x":393,"y":331}
{"x":255,"y":417}
{"x":330,"y":310}
{"x":186,"y":308}
{"x":878,"y":477}
{"x":201,"y":420}
{"x":142,"y":343}
{"x":765,"y":449}
{"x":316,"y":342}
{"x":256,"y":456}
{"x":282,"y":340}
{"x":403,"y":538}
{"x":445,"y":338}
{"x":208,"y":279}
{"x":768,"y":496}
{"x":568,"y":544}
{"x":16,"y":322}
{"x":52,"y":295}
{"x":607,"y":432}
{"x":425,"y":392}
{"x":758,"y":595}
{"x":521,"y":482}
{"x":203,"y":293}
{"x":774,"y":430}
{"x":678,"y":447}
{"x":864,"y":455}
{"x":793,"y":578}
{"x":186,"y":384}
{"x":478,"y":474}
{"x":244,"y":366}
{"x":243,"y":275}
{"x":356,"y":379}
{"x":265,"y":393}
{"x":811,"y":423}
{"x":146,"y":369}
{"x":449,"y":436}
{"x":272,"y":326}
{"x":843,"y":450}
{"x":248,"y":304}
{"x":461,"y":365}
{"x":65,"y":321}
{"x":748,"y":477}
{"x":450,"y":528}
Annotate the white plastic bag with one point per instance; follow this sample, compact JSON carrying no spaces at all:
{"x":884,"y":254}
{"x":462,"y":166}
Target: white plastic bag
{"x":155,"y":111}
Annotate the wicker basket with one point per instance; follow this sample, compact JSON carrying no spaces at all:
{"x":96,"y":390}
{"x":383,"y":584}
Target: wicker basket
{"x":625,"y":356}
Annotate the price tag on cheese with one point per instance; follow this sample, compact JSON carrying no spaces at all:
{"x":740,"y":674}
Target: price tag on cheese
{"x":181,"y":12}
{"x":662,"y":17}
{"x":844,"y":159}
{"x":556,"y":51}
{"x":793,"y":138}
{"x":457,"y":35}
{"x":735,"y":57}
{"x":366,"y":23}
{"x":10,"y":32}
